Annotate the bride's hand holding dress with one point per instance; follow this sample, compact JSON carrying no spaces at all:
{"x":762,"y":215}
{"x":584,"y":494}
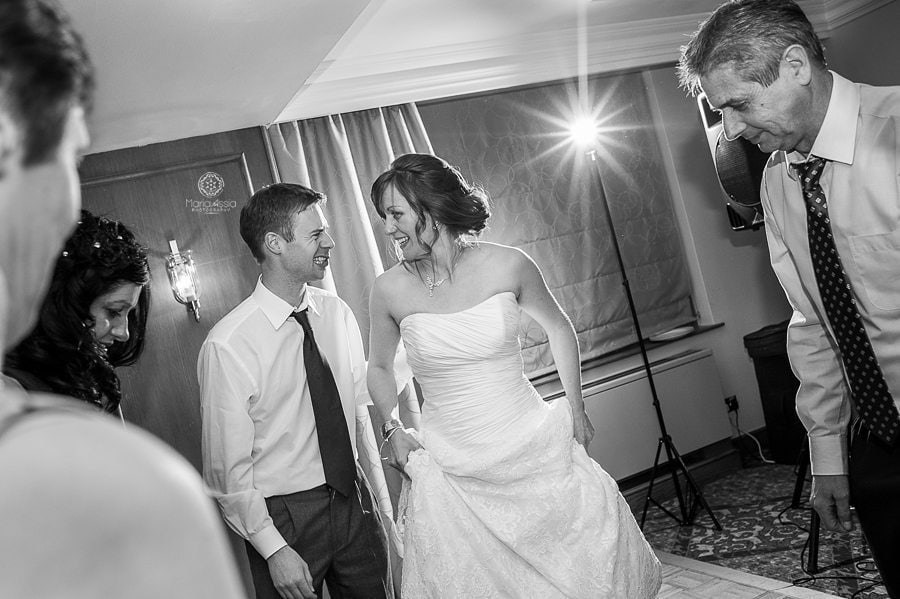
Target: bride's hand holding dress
{"x":535,"y":299}
{"x":584,"y":430}
{"x":501,"y":501}
{"x":402,"y":443}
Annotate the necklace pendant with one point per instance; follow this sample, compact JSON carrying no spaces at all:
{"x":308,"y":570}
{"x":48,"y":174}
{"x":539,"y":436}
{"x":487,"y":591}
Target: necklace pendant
{"x":431,"y":284}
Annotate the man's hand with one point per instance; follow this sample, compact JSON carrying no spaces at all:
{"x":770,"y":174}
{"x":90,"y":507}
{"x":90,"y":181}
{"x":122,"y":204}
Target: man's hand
{"x":831,"y":498}
{"x":290,"y":574}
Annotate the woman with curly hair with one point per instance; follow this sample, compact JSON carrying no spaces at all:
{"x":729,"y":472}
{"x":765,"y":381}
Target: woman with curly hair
{"x":93,"y":318}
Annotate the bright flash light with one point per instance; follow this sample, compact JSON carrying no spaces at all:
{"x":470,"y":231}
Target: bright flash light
{"x":583,"y":131}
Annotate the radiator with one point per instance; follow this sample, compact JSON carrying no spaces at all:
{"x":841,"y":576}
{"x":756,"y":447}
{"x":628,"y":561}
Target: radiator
{"x":620,"y":407}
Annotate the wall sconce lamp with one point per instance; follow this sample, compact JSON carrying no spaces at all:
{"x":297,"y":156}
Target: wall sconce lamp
{"x":183,"y":278}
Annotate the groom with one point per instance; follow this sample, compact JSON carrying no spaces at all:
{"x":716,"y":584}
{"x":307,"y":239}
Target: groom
{"x":283,"y":391}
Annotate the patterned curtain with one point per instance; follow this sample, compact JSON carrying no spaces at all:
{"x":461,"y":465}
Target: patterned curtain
{"x":546,"y":201}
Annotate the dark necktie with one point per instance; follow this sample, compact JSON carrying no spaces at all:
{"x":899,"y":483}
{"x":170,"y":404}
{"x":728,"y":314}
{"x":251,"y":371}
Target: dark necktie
{"x":868,"y":388}
{"x":331,"y":426}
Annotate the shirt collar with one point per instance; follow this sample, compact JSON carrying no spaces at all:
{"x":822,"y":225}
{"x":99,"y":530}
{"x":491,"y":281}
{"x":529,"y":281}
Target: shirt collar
{"x":836,"y":139}
{"x":276,"y":309}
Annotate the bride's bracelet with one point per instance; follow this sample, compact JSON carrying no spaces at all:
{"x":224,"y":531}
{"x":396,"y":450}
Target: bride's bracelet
{"x":388,"y":428}
{"x":387,"y":437}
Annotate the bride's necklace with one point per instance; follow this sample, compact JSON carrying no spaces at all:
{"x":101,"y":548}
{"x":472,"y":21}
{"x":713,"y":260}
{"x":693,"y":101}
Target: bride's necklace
{"x":431,"y":284}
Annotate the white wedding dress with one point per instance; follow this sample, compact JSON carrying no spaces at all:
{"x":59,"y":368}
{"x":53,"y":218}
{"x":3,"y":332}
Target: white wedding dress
{"x":502,"y":502}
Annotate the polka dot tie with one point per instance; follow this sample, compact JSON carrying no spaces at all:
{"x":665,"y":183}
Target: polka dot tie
{"x":868,"y":388}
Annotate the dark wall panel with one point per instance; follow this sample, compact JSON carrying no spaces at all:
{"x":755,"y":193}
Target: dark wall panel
{"x":192,"y":191}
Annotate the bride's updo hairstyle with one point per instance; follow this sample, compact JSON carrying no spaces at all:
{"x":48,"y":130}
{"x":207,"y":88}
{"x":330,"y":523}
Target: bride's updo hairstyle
{"x":432,"y":186}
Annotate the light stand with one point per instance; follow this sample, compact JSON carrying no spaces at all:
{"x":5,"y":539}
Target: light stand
{"x":691,"y":497}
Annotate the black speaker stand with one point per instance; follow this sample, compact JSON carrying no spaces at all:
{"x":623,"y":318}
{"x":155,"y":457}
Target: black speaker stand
{"x":691,"y":497}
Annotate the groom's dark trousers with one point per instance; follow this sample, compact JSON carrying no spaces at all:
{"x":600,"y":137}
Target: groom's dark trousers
{"x":338,"y":538}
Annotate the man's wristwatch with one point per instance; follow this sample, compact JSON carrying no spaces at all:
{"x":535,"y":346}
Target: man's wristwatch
{"x":388,"y":426}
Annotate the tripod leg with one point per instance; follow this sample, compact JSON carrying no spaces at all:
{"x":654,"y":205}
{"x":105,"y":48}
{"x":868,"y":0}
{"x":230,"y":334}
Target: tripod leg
{"x":649,"y":497}
{"x":812,"y":558}
{"x":672,"y":455}
{"x":697,"y":494}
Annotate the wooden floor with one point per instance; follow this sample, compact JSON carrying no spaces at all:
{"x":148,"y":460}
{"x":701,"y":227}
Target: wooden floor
{"x":685,"y":578}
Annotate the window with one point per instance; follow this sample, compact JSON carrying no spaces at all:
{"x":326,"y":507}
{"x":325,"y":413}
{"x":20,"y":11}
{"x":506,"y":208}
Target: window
{"x":545,"y":201}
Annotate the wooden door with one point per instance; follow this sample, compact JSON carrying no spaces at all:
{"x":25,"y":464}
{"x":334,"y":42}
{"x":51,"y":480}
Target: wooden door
{"x":192,"y":191}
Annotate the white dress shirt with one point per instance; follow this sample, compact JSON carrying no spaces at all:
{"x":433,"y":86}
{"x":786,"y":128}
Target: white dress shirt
{"x":258,"y":428}
{"x":860,"y":137}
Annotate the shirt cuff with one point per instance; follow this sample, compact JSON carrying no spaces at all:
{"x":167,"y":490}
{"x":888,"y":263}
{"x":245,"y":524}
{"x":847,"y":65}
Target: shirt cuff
{"x":828,"y":455}
{"x":267,"y":541}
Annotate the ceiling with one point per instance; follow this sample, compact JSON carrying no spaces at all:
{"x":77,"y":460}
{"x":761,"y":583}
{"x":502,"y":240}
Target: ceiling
{"x":170,"y":69}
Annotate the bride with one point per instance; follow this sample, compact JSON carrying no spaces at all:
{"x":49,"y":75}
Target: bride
{"x":502,"y":499}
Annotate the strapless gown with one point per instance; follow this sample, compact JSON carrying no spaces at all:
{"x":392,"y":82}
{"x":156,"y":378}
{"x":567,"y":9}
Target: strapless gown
{"x":502,"y":501}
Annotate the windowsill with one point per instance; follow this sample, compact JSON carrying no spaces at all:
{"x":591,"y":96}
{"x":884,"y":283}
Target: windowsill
{"x":628,"y":351}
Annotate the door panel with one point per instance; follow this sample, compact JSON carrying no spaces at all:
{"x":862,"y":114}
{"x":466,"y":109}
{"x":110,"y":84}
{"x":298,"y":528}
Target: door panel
{"x":191,"y":191}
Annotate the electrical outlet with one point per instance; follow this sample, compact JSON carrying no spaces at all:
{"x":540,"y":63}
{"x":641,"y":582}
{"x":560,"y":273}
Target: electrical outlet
{"x":731,"y":403}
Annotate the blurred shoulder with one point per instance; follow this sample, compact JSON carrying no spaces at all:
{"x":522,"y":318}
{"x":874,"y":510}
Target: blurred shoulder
{"x":117,"y":504}
{"x":59,"y":440}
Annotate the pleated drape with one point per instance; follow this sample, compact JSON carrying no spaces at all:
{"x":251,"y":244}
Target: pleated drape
{"x":342,"y":155}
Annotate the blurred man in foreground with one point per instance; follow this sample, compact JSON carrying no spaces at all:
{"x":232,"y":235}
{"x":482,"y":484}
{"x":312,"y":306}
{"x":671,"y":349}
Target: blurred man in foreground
{"x":89,"y":509}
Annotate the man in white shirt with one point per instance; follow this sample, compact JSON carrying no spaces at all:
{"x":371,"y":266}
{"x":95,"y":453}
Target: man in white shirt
{"x":90,"y":509}
{"x":832,"y":213}
{"x":261,"y":434}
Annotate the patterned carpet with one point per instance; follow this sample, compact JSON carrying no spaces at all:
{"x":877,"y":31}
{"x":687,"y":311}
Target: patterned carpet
{"x":763,"y":535}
